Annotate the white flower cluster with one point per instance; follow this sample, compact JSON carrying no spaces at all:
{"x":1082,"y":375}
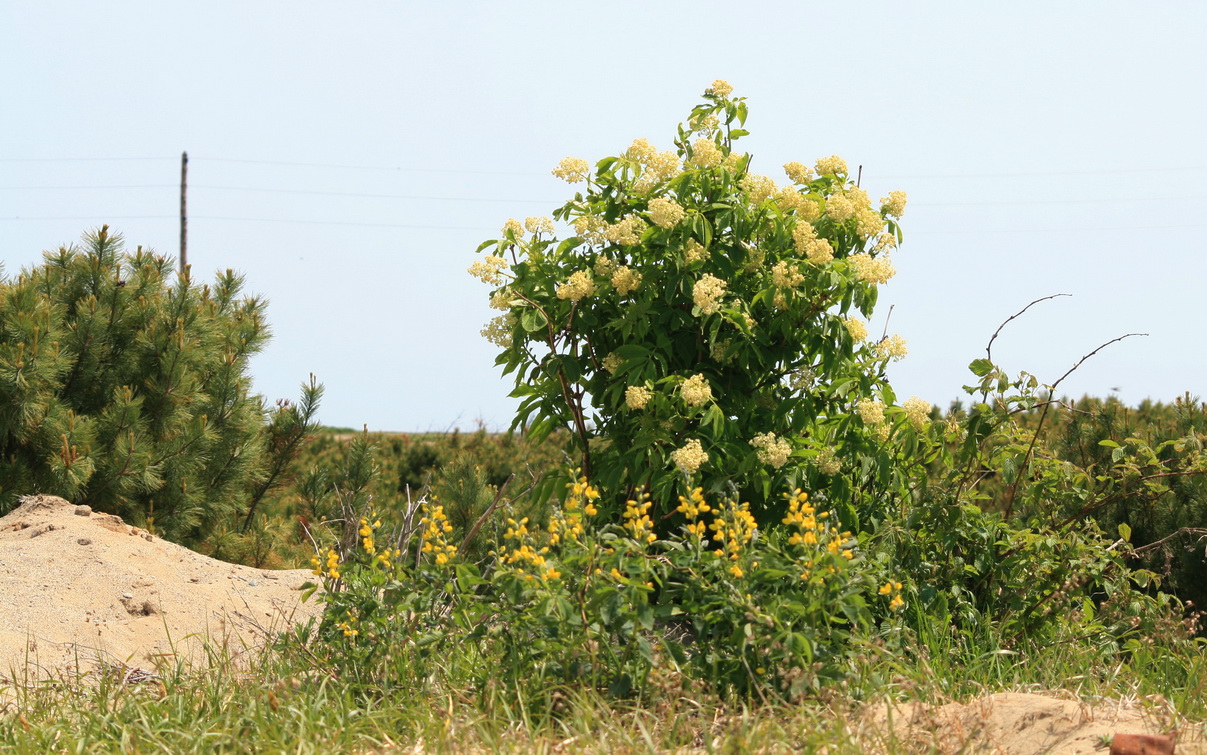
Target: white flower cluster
{"x":489,"y":269}
{"x":857,"y":328}
{"x":870,"y":411}
{"x":498,"y":331}
{"x":626,"y":231}
{"x":666,"y":213}
{"x":707,"y":294}
{"x":696,"y":391}
{"x":625,"y":280}
{"x":538,"y":225}
{"x":772,"y":451}
{"x":827,"y":462}
{"x":636,"y":396}
{"x":578,"y":287}
{"x":799,"y":173}
{"x":892,"y":347}
{"x":694,"y":252}
{"x":832,"y":165}
{"x":705,"y":153}
{"x":872,"y":269}
{"x":572,"y":170}
{"x":917,"y":411}
{"x":690,"y":457}
{"x":894,"y":204}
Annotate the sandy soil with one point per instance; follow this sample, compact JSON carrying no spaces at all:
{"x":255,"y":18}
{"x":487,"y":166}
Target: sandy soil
{"x":1018,"y":723}
{"x":80,"y":588}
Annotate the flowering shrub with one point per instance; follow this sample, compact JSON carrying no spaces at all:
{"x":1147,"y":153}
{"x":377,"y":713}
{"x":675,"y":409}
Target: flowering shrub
{"x":702,"y":320}
{"x":577,"y":599}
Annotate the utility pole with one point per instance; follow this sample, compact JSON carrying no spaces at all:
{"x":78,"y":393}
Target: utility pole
{"x":184,"y":217}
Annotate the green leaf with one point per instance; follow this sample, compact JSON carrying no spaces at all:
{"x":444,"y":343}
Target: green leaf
{"x":981,"y":367}
{"x":1125,"y":532}
{"x":533,"y":320}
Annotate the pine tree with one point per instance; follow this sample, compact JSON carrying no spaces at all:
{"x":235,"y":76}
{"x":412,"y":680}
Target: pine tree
{"x":126,"y":388}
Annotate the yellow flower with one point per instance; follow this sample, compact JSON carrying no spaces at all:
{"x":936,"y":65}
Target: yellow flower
{"x":693,"y":252}
{"x":872,"y":269}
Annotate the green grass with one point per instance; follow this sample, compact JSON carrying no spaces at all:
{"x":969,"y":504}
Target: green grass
{"x":288,"y":703}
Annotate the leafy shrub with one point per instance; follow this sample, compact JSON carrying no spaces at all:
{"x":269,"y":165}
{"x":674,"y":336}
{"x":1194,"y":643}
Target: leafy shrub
{"x":704,"y":321}
{"x":126,"y":390}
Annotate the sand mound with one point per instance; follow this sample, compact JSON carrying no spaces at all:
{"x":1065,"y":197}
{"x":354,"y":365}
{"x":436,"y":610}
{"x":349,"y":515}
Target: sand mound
{"x":1016,"y":723}
{"x":80,"y":588}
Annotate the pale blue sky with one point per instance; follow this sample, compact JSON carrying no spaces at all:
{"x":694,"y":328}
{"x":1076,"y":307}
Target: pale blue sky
{"x":1046,"y":148}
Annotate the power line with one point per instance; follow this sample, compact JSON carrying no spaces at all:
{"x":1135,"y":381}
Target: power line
{"x":394,"y":168}
{"x":376,"y":196}
{"x":76,"y":159}
{"x":349,"y":223}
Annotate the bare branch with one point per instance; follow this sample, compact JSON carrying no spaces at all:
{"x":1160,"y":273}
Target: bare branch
{"x":989,"y":346}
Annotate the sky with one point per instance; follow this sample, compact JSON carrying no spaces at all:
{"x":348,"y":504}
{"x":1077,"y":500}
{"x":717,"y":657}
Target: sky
{"x":348,"y":159}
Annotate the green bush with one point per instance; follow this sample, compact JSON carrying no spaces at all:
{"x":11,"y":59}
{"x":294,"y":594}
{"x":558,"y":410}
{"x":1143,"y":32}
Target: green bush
{"x":125,"y":388}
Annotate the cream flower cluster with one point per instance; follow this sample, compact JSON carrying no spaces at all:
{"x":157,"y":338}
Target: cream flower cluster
{"x":572,"y":170}
{"x":690,"y":457}
{"x":666,"y":213}
{"x":707,"y":294}
{"x":578,"y":287}
{"x":789,"y":199}
{"x":591,"y":228}
{"x":818,"y":251}
{"x":893,"y":347}
{"x":885,"y":242}
{"x":656,"y":166}
{"x":604,"y":266}
{"x":500,"y":299}
{"x":538,"y":225}
{"x":801,"y":379}
{"x":636,"y":396}
{"x":917,"y":411}
{"x":799,"y":173}
{"x":612,"y":362}
{"x":772,"y":451}
{"x":625,"y":280}
{"x":498,"y":331}
{"x":706,"y":153}
{"x":857,"y":328}
{"x":512,"y":228}
{"x":832,"y":165}
{"x":696,"y":391}
{"x":894,"y":204}
{"x":626,"y":231}
{"x":872,"y":269}
{"x":758,"y":188}
{"x":827,"y":462}
{"x":785,"y":275}
{"x":694,"y":252}
{"x":870,"y":411}
{"x":489,"y":269}
{"x":721,"y":88}
{"x":841,"y":207}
